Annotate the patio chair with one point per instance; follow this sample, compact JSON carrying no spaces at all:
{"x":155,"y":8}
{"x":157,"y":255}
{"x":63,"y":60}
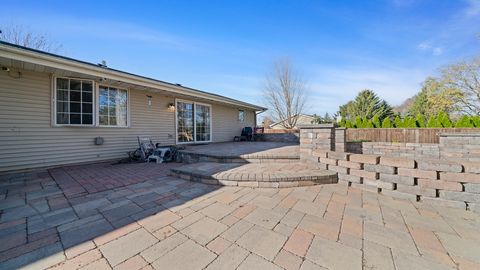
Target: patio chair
{"x":246,"y":135}
{"x":258,"y":133}
{"x":150,"y":152}
{"x":146,"y":147}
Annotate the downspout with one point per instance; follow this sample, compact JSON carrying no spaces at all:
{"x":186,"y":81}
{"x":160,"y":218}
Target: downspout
{"x":256,"y":115}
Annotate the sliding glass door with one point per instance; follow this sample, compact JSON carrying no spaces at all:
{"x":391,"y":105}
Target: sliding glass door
{"x":193,"y":122}
{"x":202,"y":123}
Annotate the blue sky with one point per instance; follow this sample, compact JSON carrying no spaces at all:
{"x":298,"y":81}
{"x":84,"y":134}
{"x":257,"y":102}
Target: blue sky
{"x":227,"y":47}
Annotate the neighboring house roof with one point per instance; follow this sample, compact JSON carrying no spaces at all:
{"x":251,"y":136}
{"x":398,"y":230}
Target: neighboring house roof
{"x":41,"y":58}
{"x":301,"y":118}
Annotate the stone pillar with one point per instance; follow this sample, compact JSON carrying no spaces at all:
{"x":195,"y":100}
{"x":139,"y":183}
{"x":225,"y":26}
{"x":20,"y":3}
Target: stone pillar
{"x":340,"y":140}
{"x":460,"y":146}
{"x":316,"y":137}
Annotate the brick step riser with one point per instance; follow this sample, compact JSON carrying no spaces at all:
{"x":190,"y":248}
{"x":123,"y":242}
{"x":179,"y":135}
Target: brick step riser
{"x":271,"y":183}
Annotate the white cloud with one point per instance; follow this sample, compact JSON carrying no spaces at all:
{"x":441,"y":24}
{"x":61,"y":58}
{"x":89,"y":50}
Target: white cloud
{"x":473,"y":8}
{"x":424,"y":46}
{"x":437,"y":51}
{"x":427,"y":46}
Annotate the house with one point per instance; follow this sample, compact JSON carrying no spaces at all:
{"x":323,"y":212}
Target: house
{"x":302,"y":119}
{"x":56,"y":110}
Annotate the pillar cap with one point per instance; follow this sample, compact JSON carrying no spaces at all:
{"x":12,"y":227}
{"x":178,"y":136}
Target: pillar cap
{"x":313,"y":126}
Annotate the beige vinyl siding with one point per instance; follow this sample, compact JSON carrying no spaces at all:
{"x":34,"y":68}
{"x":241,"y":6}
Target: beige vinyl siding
{"x":28,"y":139}
{"x":226,"y":124}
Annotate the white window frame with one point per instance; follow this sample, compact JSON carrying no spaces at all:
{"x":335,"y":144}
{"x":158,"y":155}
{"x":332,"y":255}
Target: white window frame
{"x":244,"y":115}
{"x":194,"y":121}
{"x":54,"y":103}
{"x":97,"y":105}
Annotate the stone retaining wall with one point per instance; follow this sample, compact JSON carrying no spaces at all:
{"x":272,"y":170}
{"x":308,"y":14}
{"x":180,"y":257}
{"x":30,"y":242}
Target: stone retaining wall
{"x":432,"y":180}
{"x":315,"y":138}
{"x":419,"y":172}
{"x":354,"y":147}
{"x":454,"y":146}
{"x":292,"y":137}
{"x":409,"y":150}
{"x":462,"y":146}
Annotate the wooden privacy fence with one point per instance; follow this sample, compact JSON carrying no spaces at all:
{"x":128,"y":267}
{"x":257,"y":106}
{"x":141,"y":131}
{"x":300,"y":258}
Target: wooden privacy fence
{"x":401,"y":135}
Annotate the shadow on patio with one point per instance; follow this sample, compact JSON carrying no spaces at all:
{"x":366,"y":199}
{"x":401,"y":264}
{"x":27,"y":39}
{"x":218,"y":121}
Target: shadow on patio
{"x":44,"y":213}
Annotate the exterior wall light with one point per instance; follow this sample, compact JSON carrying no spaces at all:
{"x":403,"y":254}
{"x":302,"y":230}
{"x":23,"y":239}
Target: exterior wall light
{"x":171,"y":107}
{"x":149,"y":98}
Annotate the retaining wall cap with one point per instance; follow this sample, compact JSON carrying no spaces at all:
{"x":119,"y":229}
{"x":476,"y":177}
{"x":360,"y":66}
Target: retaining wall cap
{"x":316,"y":126}
{"x":476,"y":134}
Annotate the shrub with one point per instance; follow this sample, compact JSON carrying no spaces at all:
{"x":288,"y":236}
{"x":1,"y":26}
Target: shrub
{"x":420,"y":119}
{"x":367,"y":123}
{"x":398,"y":123}
{"x":409,"y":122}
{"x":464,"y":122}
{"x":387,"y":123}
{"x":433,"y":122}
{"x":444,"y":120}
{"x":476,"y":121}
{"x":376,"y":121}
{"x":358,"y":122}
{"x":349,"y":124}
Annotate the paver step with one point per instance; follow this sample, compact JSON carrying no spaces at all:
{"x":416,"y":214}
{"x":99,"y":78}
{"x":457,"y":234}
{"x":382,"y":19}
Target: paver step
{"x":193,"y":157}
{"x":241,"y":152}
{"x":256,"y":174}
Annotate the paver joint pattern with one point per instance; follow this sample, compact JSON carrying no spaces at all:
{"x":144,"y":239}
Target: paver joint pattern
{"x":134,"y":216}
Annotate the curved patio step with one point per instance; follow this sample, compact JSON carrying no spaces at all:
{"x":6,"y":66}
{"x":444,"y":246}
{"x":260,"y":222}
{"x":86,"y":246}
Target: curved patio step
{"x":255,"y":174}
{"x":192,"y":157}
{"x":241,"y":152}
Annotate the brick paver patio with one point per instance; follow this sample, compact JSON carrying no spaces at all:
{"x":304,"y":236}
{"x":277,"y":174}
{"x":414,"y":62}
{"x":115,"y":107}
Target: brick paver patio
{"x":136,"y":217}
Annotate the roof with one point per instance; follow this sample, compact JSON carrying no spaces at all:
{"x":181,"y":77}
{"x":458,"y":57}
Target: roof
{"x":297,"y":115}
{"x":25,"y":54}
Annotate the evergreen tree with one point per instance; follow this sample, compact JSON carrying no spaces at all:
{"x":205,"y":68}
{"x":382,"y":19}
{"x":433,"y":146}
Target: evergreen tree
{"x":366,"y":104}
{"x":444,"y":120}
{"x":376,"y":121}
{"x":367,"y":123}
{"x":433,"y":122}
{"x":327,"y":118}
{"x":476,"y":121}
{"x":420,"y":121}
{"x":398,"y":123}
{"x":409,"y":122}
{"x":387,"y":123}
{"x":358,"y":122}
{"x":464,"y":122}
{"x":349,"y":124}
{"x":420,"y":102}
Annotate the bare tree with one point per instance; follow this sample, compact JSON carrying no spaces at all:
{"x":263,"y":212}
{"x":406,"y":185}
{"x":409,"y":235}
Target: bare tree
{"x":20,"y":35}
{"x":267,"y":121}
{"x":285,"y":93}
{"x":464,"y":77}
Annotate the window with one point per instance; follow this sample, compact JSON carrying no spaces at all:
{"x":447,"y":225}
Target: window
{"x":73,"y":102}
{"x":112,"y":106}
{"x":193,"y":122}
{"x":241,"y":115}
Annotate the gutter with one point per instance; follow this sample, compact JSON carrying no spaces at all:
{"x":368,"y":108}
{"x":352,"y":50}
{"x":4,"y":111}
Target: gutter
{"x":20,"y":53}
